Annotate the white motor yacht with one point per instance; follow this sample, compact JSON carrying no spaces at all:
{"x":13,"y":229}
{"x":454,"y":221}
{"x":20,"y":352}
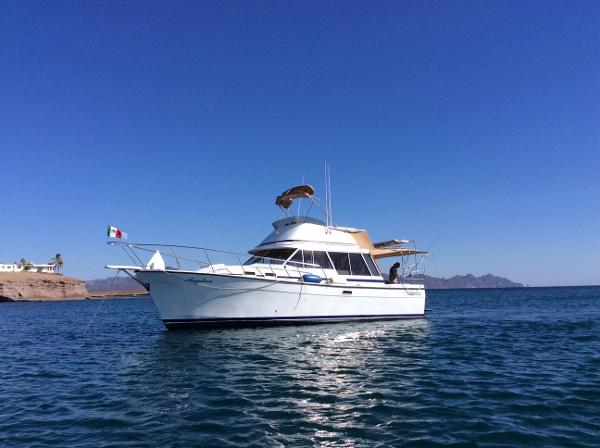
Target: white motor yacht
{"x":305,"y":271}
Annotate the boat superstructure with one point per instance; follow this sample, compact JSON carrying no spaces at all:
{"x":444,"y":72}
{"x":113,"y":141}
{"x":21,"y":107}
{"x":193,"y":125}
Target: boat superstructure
{"x":305,"y":271}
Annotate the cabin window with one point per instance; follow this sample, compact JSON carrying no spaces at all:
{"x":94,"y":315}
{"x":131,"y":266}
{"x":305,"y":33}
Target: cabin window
{"x":270,"y":256}
{"x":310,"y":259}
{"x":322,"y":260}
{"x":341,"y":262}
{"x":297,"y":259}
{"x":358,"y":265}
{"x":371,"y":264}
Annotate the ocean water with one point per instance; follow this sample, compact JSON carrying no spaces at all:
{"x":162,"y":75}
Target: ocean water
{"x":512,"y":367}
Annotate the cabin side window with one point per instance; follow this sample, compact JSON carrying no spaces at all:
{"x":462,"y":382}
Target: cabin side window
{"x":322,"y":260}
{"x":371,"y":264}
{"x":358,"y":265}
{"x":341,"y":262}
{"x":310,"y":259}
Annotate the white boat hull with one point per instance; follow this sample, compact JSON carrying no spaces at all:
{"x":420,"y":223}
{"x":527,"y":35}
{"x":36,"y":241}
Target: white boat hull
{"x":190,"y":299}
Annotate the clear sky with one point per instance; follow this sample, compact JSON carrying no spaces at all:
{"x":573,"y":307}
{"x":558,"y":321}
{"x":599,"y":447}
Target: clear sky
{"x":476,"y":123}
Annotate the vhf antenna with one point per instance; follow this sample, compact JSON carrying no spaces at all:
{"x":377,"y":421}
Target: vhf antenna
{"x":328,"y":206}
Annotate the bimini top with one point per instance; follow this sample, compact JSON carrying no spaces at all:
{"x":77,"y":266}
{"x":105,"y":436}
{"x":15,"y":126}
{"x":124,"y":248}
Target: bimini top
{"x":286,"y":198}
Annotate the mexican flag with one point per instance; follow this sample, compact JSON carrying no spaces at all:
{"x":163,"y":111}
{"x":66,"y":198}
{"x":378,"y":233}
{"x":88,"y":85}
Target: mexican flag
{"x":113,"y":232}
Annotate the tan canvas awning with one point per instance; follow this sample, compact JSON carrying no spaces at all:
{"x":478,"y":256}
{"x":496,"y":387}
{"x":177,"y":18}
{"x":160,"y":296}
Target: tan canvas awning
{"x":390,"y":243}
{"x":395,"y":252}
{"x":362,"y":239}
{"x":379,"y":250}
{"x":286,"y":198}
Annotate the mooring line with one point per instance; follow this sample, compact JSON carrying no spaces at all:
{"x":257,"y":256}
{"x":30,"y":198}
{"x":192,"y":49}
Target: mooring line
{"x":93,"y":319}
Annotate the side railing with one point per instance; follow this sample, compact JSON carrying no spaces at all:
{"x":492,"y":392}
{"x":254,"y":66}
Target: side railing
{"x":194,"y":258}
{"x":412,"y":267}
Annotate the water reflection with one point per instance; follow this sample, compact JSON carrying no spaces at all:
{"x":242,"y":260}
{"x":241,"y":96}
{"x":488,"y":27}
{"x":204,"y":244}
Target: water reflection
{"x":350,"y":369}
{"x":326,"y":376}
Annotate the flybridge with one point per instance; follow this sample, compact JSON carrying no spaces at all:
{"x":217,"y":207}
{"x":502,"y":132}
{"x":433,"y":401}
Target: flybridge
{"x":289,"y":230}
{"x":291,"y":220}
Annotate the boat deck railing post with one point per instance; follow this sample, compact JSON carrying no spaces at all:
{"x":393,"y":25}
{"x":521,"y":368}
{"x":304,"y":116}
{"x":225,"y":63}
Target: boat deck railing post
{"x":130,"y":257}
{"x":176,"y":258}
{"x":271,"y":267}
{"x":208,"y":259}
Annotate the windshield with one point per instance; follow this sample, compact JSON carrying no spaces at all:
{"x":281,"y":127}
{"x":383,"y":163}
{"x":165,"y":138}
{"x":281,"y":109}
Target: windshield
{"x":270,"y":256}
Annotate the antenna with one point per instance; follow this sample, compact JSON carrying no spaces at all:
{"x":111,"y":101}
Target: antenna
{"x":328,"y":206}
{"x":299,"y":203}
{"x":326,"y":198}
{"x":330,"y":210}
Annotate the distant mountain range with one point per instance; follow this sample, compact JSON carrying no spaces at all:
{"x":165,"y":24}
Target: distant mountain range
{"x":467,"y":281}
{"x":113,"y":284}
{"x":456,"y":282}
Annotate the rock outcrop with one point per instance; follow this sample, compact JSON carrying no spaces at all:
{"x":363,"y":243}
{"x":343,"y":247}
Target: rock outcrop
{"x":38,"y":286}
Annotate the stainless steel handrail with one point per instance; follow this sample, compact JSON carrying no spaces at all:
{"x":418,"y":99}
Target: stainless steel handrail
{"x":271,"y":262}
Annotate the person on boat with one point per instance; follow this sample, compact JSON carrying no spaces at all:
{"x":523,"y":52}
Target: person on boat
{"x":393,"y":278}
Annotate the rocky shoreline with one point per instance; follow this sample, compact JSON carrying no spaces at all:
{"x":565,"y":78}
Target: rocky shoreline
{"x":26,"y":286}
{"x":37,"y":286}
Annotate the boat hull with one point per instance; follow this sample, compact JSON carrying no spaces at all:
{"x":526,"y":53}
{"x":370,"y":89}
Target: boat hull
{"x":202,"y":300}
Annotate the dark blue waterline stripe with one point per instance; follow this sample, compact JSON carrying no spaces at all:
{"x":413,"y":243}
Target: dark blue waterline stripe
{"x":349,"y":316}
{"x":183,"y":324}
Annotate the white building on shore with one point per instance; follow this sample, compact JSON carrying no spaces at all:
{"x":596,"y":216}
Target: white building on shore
{"x":13,"y":267}
{"x":10,"y":268}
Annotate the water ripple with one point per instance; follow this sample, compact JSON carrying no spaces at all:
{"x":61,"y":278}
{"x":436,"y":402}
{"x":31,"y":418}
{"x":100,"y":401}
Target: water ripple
{"x":486,"y":368}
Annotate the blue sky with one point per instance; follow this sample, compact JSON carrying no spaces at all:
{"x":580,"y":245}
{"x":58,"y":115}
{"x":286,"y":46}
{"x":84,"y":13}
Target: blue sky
{"x":476,"y":123}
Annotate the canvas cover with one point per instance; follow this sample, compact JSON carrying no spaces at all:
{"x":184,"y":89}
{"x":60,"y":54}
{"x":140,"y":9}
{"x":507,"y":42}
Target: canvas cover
{"x":395,"y":252}
{"x":390,"y":243}
{"x":286,"y":198}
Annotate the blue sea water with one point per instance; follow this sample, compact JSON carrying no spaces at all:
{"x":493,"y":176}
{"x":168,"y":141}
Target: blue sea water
{"x":506,"y":367}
